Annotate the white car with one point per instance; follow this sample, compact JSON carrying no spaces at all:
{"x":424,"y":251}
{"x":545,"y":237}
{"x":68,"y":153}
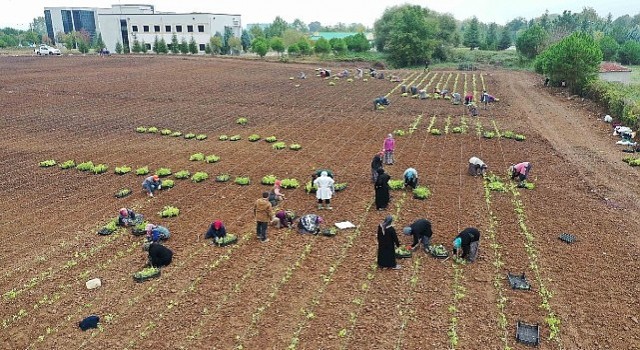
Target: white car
{"x":47,"y":50}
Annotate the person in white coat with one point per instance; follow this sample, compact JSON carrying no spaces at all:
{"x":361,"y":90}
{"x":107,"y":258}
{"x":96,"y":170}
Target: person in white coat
{"x":325,"y":190}
{"x":476,"y":166}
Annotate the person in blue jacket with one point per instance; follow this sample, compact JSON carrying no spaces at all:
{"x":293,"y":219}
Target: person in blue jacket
{"x":216,"y":230}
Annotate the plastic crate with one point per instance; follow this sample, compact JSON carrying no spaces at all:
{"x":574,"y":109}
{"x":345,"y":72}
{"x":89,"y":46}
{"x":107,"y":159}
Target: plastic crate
{"x":569,"y":238}
{"x":528,"y":334}
{"x":518,"y":281}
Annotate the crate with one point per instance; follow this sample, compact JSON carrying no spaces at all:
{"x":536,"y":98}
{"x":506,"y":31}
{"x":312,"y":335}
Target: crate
{"x":528,"y":334}
{"x":518,"y":281}
{"x":569,"y":238}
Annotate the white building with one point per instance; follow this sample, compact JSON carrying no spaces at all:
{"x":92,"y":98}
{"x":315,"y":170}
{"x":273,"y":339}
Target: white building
{"x":126,"y":23}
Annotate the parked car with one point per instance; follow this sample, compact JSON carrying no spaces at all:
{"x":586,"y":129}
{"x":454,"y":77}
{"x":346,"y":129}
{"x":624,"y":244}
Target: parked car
{"x":47,"y":50}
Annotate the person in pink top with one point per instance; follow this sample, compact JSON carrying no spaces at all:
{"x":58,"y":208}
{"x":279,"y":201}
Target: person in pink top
{"x":388,"y":147}
{"x":521,"y":171}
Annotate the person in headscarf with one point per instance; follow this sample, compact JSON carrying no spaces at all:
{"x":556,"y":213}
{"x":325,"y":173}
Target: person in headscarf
{"x":521,"y":171}
{"x":476,"y":166}
{"x":382,"y":190}
{"x":388,"y":146}
{"x":284,"y":218}
{"x":159,"y":255}
{"x":421,"y":232}
{"x":310,"y":223}
{"x":151,"y":184}
{"x":216,"y":230}
{"x":380,"y":102}
{"x":410,"y":178}
{"x":468,"y":241}
{"x":156,"y":233}
{"x":387,"y":242}
{"x":276,"y":195}
{"x":376,"y":164}
{"x":456,"y":98}
{"x":127,"y":217}
{"x":325,"y":190}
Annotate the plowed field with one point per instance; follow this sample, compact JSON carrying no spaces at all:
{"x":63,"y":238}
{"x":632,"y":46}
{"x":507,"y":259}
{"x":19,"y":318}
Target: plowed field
{"x":301,"y":291}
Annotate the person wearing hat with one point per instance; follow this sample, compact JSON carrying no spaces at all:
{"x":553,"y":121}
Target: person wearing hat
{"x":156,"y":233}
{"x":216,"y":230}
{"x":476,"y":166}
{"x":466,"y":244}
{"x":387,"y":242}
{"x":127,"y":217}
{"x":159,"y":255}
{"x":376,"y":163}
{"x":151,"y":184}
{"x":421,"y":232}
{"x":410,"y":178}
{"x":521,"y":171}
{"x":388,"y":146}
{"x":310,"y":223}
{"x":325,"y":190}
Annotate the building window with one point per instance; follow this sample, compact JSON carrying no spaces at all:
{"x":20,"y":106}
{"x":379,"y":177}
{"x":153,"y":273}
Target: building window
{"x":156,"y":29}
{"x":202,"y":47}
{"x":190,"y":28}
{"x":201,"y":28}
{"x":145,"y":29}
{"x":179,"y":29}
{"x":236,"y":23}
{"x":167,"y":29}
{"x":134,"y":28}
{"x":67,"y":21}
{"x":84,"y":21}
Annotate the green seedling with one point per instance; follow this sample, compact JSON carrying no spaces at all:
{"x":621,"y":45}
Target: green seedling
{"x":141,"y":129}
{"x":242,"y":180}
{"x":142,"y":171}
{"x":189,"y":136}
{"x":201,"y":137}
{"x":254,"y":137}
{"x":242,"y":121}
{"x":85,"y":166}
{"x":279,"y":145}
{"x":223,"y":138}
{"x":47,"y":163}
{"x":162,"y":172}
{"x":169,"y":212}
{"x":121,"y":170}
{"x":182,"y":174}
{"x":295,"y":147}
{"x":100,"y":168}
{"x":199,"y":176}
{"x":197,"y":157}
{"x":268,"y":180}
{"x":271,"y":139}
{"x":235,"y":138}
{"x":212,"y":158}
{"x":290,"y":183}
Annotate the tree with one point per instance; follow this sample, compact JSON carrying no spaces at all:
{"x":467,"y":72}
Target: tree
{"x":99,"y":43}
{"x":338,"y":46}
{"x":411,"y":35}
{"x":505,"y":39}
{"x":156,"y":44}
{"x":299,"y":26}
{"x":276,"y":28}
{"x":175,"y":46}
{"x":38,"y":25}
{"x":291,"y":36}
{"x":83,"y":46}
{"x":575,"y":59}
{"x":322,"y":46}
{"x":193,"y":46}
{"x":471,"y":37}
{"x":256,"y":32}
{"x":305,"y":48}
{"x":260,"y":46}
{"x":245,"y":40}
{"x":184,"y":46}
{"x":315,"y":26}
{"x":277,"y":45}
{"x":162,"y":46}
{"x":119,"y":47}
{"x":228,"y":34}
{"x":609,"y":47}
{"x":215,"y":42}
{"x":136,"y":46}
{"x":235,"y":45}
{"x":144,"y":46}
{"x":357,"y":43}
{"x":629,"y":52}
{"x":531,"y":41}
{"x":491,"y":39}
{"x":293,"y":50}
{"x":207,"y":49}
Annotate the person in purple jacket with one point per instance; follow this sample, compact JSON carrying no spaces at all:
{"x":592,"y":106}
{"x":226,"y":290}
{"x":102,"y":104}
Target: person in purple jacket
{"x":388,"y":146}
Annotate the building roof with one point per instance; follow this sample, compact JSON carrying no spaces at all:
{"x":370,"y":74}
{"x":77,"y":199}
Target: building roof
{"x":607,"y":67}
{"x":333,"y":35}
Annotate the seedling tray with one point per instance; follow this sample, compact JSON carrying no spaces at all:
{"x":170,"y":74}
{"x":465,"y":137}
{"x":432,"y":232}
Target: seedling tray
{"x":105,"y":231}
{"x":403,"y":254}
{"x":225,"y":242}
{"x":141,"y":279}
{"x":138,"y":231}
{"x":438,"y":255}
{"x":123,"y":192}
{"x":518,"y":281}
{"x":329,"y":232}
{"x":569,"y":238}
{"x":528,"y":334}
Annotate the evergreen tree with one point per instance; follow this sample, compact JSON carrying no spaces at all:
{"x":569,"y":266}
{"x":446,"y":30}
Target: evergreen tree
{"x":216,"y":43}
{"x":491,"y":40}
{"x":156,"y":44}
{"x":119,"y":47}
{"x":505,"y":39}
{"x":246,"y":40}
{"x":98,"y":43}
{"x":193,"y":46}
{"x":175,"y":46}
{"x":277,"y":45}
{"x":609,"y":47}
{"x":471,"y":37}
{"x":629,"y":52}
{"x":162,"y":46}
{"x":136,"y":46}
{"x":144,"y":46}
{"x":184,"y":46}
{"x":322,"y":46}
{"x":531,"y":41}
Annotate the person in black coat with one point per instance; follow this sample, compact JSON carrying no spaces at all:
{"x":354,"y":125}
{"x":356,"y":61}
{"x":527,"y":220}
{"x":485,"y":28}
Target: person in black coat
{"x":421,"y":232}
{"x":382,"y":190}
{"x":376,"y":163}
{"x":468,"y":241}
{"x":387,"y":242}
{"x":159,"y":255}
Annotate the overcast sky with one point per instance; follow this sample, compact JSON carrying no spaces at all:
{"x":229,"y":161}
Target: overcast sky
{"x":19,"y":13}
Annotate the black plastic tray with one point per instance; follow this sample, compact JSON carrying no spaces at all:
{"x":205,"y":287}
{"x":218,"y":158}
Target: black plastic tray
{"x":518,"y":281}
{"x":105,"y":231}
{"x":403,"y":256}
{"x":138,"y":232}
{"x":569,"y":238}
{"x":117,"y":195}
{"x":224,"y":244}
{"x":142,"y":279}
{"x":528,"y":334}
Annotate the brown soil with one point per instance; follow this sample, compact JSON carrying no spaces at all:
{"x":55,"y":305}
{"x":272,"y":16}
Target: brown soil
{"x":299,"y":291}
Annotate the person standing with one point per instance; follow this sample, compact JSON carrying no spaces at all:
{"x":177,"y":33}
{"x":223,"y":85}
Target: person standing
{"x":262,"y":212}
{"x":388,"y":146}
{"x":387,"y":242}
{"x":421,"y":231}
{"x":376,"y":164}
{"x":151,"y":184}
{"x":521,"y":171}
{"x":410,"y":178}
{"x":468,"y":241}
{"x":325,"y":190}
{"x":382,"y":190}
{"x":476,"y":166}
